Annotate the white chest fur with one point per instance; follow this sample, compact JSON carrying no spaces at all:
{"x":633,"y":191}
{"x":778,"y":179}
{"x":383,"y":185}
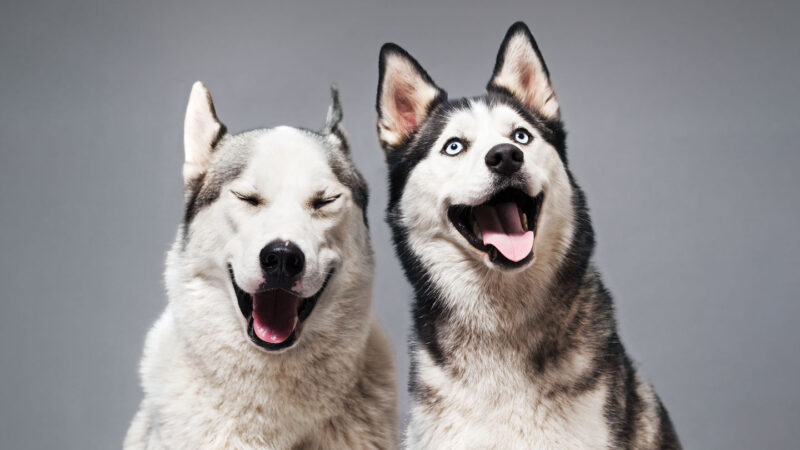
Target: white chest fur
{"x":504,"y":408}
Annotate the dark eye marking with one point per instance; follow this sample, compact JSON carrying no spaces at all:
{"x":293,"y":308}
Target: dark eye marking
{"x":252,"y":199}
{"x":319,"y":201}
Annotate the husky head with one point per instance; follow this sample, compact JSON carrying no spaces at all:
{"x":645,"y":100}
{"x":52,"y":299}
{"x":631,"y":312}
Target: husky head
{"x":274,"y":222}
{"x":479,"y":187}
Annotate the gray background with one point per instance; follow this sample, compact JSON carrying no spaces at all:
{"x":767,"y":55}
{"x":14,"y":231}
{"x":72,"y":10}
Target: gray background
{"x":683,"y":121}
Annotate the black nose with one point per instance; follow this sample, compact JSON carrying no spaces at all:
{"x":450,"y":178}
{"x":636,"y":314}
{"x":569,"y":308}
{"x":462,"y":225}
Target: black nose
{"x":504,"y":159}
{"x":282,"y":263}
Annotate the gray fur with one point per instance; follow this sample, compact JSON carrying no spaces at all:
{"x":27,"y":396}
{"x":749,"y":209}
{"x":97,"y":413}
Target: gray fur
{"x":231,"y":154}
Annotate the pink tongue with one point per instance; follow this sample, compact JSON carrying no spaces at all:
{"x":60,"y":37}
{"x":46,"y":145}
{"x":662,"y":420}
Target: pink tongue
{"x":274,"y":315}
{"x":502,"y":228}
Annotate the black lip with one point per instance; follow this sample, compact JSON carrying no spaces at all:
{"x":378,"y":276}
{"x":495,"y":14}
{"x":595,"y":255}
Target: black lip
{"x":245,"y":301}
{"x":461,"y":218}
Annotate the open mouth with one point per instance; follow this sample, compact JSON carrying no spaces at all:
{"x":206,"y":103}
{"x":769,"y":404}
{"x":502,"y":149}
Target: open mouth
{"x":503,"y":227}
{"x":275,"y":316}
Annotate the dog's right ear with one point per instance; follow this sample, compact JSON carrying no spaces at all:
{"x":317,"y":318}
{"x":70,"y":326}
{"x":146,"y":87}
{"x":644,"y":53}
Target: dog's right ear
{"x":406,"y":95}
{"x":201,"y":132}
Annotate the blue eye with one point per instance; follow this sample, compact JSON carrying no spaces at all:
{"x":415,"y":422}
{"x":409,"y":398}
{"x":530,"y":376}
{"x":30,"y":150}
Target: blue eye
{"x":522,"y":136}
{"x":453,"y":147}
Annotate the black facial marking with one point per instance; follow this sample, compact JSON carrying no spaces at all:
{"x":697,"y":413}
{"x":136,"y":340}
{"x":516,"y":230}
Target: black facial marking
{"x":401,"y":162}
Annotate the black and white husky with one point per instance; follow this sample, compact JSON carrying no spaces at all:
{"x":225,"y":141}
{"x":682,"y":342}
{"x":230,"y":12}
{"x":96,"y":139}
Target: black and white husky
{"x":515,"y":340}
{"x":268,"y":340}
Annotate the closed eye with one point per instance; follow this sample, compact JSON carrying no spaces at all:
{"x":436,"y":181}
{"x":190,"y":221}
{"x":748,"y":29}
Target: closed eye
{"x":252,"y":199}
{"x":319,"y":202}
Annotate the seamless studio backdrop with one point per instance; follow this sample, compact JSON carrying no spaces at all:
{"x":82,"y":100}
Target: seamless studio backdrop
{"x":683,"y":131}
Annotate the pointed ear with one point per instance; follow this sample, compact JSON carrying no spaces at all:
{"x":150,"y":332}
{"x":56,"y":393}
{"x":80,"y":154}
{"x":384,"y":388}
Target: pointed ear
{"x":521,"y":71}
{"x":406,"y":95}
{"x":333,"y":130}
{"x":201,"y":132}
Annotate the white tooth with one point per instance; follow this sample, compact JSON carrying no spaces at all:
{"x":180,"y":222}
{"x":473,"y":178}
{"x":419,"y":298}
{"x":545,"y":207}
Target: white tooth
{"x":524,"y":222}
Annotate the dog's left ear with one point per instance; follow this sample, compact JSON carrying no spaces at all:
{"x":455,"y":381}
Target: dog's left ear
{"x":333,"y":130}
{"x":520,"y":70}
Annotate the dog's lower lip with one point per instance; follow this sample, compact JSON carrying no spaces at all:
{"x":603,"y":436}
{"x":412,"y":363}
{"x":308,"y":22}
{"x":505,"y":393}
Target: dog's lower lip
{"x":464,"y":221}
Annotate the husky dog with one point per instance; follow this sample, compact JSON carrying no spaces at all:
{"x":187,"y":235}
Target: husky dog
{"x":515,"y":340}
{"x":268,"y":340}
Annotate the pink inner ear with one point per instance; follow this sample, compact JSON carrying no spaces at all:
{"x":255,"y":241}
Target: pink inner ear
{"x":404,"y":109}
{"x":526,"y":82}
{"x":525,"y":77}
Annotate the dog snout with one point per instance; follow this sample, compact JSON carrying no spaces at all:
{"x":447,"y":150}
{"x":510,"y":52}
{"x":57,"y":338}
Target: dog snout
{"x":282,"y":263}
{"x":504,"y":159}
